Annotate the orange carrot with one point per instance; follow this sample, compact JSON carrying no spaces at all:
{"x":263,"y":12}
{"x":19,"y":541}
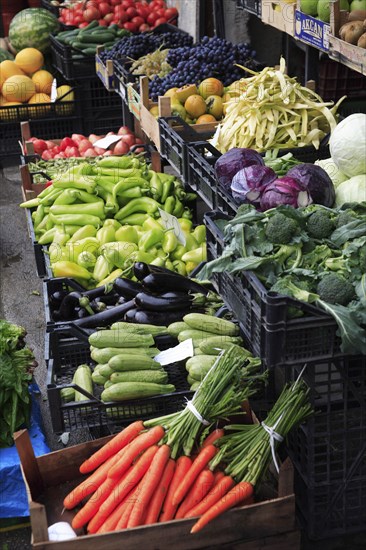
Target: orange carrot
{"x":122,"y":488}
{"x":199,"y":463}
{"x":241,"y":492}
{"x":133,"y":449}
{"x":212,"y":437}
{"x":183,"y":464}
{"x":149,"y":484}
{"x":89,"y":485}
{"x":111,"y":523}
{"x":93,"y":504}
{"x":112,"y":447}
{"x":157,"y":500}
{"x":216,"y":493}
{"x":197,"y":493}
{"x":218,"y":477}
{"x":131,"y":499}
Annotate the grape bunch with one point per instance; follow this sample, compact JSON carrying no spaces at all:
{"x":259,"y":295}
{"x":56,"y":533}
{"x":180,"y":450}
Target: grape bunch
{"x":211,"y":57}
{"x":138,"y":45}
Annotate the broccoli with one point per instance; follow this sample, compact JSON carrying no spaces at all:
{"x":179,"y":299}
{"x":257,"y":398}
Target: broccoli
{"x":346,"y":216}
{"x":286,"y":287}
{"x":281,"y":229}
{"x":320,"y":224}
{"x":335,"y":289}
{"x":317,"y":256}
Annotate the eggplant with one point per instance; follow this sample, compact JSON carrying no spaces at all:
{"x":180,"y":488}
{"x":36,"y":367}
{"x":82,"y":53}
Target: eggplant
{"x":141,"y":270}
{"x":174,"y":295}
{"x":126,"y":287}
{"x":57,"y":297}
{"x":129,"y":317}
{"x":165,"y":341}
{"x":68,"y":305}
{"x":160,"y":318}
{"x":82,"y":313}
{"x":161,"y":282}
{"x":108,"y":299}
{"x":97,"y":292}
{"x":149,"y":302}
{"x":106,"y":317}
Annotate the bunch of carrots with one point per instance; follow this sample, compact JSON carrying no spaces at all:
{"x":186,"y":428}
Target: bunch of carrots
{"x":152,"y":471}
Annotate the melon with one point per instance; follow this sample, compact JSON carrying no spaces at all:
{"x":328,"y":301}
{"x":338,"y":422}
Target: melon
{"x":31,"y":28}
{"x":7,"y":69}
{"x":29,"y":60}
{"x":18,"y":88}
{"x":43,"y":81}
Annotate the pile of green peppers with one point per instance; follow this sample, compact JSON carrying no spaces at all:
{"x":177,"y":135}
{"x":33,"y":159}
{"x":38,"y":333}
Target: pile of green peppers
{"x":99,"y":219}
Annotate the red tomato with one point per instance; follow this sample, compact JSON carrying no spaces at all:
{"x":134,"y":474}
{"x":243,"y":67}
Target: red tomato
{"x":114,"y":2}
{"x":91,"y":14}
{"x":170,"y":13}
{"x":91,"y":4}
{"x":84,"y":145}
{"x":142,"y":11}
{"x":123,"y":131}
{"x":103,"y":23}
{"x":131,"y":12}
{"x":93,"y":138}
{"x":99,"y":150}
{"x":119,"y":13}
{"x":82,"y":25}
{"x":67,"y":142}
{"x":104,"y":8}
{"x":60,"y":155}
{"x":78,"y":19}
{"x":137,"y":20}
{"x":50,"y":144}
{"x":151,"y":18}
{"x":121,"y":148}
{"x":156,"y":4}
{"x":159,"y":21}
{"x":107,"y":153}
{"x":89,"y":153}
{"x":72,"y":152}
{"x":160,"y":12}
{"x":126,"y":4}
{"x":39,"y":146}
{"x":129,"y":139}
{"x":76,"y":138}
{"x":109,"y":18}
{"x":138,"y":140}
{"x":129,"y":26}
{"x":47,"y":155}
{"x":144,"y":27}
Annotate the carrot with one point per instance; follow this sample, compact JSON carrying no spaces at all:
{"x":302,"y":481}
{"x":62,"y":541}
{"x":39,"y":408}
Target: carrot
{"x":110,"y":523}
{"x":242,"y":491}
{"x":123,"y":487}
{"x":199,"y":463}
{"x":131,"y":499}
{"x":133,"y":449}
{"x":183,"y":464}
{"x":212,"y":437}
{"x":149,"y":485}
{"x":218,"y":476}
{"x":216,"y":493}
{"x":93,"y":504}
{"x":112,"y":447}
{"x":89,"y":485}
{"x":157,"y":500}
{"x":197,"y":493}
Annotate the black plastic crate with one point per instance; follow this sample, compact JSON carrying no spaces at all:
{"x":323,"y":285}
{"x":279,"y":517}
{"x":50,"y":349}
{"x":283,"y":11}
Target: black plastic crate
{"x":175,"y":136}
{"x":38,"y":249}
{"x":253,"y":6}
{"x":71,"y":63}
{"x":50,"y":286}
{"x":65,"y":355}
{"x":200,"y":174}
{"x":101,"y":109}
{"x":46,"y":4}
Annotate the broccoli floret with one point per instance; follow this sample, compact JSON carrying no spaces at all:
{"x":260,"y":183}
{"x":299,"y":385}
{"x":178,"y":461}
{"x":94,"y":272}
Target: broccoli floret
{"x":320,"y":224}
{"x":281,"y":229}
{"x":335,"y":289}
{"x":285,"y":286}
{"x":345,"y":217}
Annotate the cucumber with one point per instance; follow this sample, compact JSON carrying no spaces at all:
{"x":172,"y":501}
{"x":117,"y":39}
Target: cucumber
{"x":213,"y":346}
{"x":175,"y":328}
{"x":105,"y":370}
{"x":67,"y":394}
{"x":191,"y":380}
{"x":96,"y":37}
{"x":212,"y":324}
{"x":92,"y":25}
{"x":108,"y":384}
{"x":198,"y":351}
{"x":98,"y":378}
{"x":199,"y":366}
{"x":140,"y":328}
{"x":105,"y":354}
{"x":83,"y":378}
{"x":156,"y":376}
{"x":125,"y":363}
{"x":119,"y":339}
{"x":123,"y":391}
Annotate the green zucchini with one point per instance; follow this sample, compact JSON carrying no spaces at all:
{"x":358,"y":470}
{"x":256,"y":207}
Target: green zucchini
{"x":123,"y":391}
{"x":175,"y":328}
{"x":105,"y":354}
{"x":105,"y":370}
{"x":108,"y":384}
{"x":96,"y":37}
{"x":199,"y":366}
{"x":127,"y":362}
{"x":198,"y":351}
{"x":83,"y":378}
{"x":209,"y":323}
{"x":156,"y":376}
{"x":98,"y":378}
{"x":191,"y":380}
{"x":214,"y":345}
{"x":120,"y":339}
{"x":194,"y":334}
{"x":67,"y":394}
{"x":140,"y":328}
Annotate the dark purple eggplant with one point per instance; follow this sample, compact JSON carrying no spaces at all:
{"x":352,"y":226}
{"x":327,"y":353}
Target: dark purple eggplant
{"x":126,"y":287}
{"x":149,"y":302}
{"x":141,"y":270}
{"x":165,"y":341}
{"x":97,"y":292}
{"x":58,"y":296}
{"x":161,"y":282}
{"x":82,"y":313}
{"x":160,"y":318}
{"x":174,"y":295}
{"x":106,"y":317}
{"x":108,"y":299}
{"x":68,"y":305}
{"x":130,"y":315}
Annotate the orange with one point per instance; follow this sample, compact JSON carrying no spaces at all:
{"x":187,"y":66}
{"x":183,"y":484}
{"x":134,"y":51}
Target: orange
{"x":204,"y":119}
{"x":195,"y":105}
{"x":43,"y":81}
{"x":18,"y":88}
{"x":29,"y":60}
{"x":210,"y":86}
{"x":7,"y":69}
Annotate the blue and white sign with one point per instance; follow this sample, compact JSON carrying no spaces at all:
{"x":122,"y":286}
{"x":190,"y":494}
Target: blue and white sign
{"x":312,"y":31}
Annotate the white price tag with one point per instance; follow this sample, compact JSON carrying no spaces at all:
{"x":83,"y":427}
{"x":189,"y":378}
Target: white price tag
{"x":171,"y":222}
{"x":105,"y":142}
{"x":53,"y":90}
{"x":173,"y":355}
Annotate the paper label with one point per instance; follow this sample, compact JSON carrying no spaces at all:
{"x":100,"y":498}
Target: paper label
{"x":176,"y":354}
{"x":105,"y":142}
{"x":54,"y":90}
{"x":312,"y":31}
{"x":171,"y":222}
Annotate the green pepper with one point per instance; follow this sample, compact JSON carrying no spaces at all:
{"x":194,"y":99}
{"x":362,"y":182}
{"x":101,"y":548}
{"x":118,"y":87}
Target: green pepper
{"x":42,"y":225}
{"x":71,"y":270}
{"x":51,"y":222}
{"x":160,"y":262}
{"x":127,"y":233}
{"x":89,"y":244}
{"x":199,"y":234}
{"x":39,"y":214}
{"x":151,"y":238}
{"x":189,"y":197}
{"x":111,"y":277}
{"x":102,"y":268}
{"x":185,"y":224}
{"x":169,"y":242}
{"x":169,"y":205}
{"x":78,"y":182}
{"x":71,"y":229}
{"x":105,"y":183}
{"x":169,"y":265}
{"x":156,"y":185}
{"x":196,"y":255}
{"x":86,"y":259}
{"x":118,"y":252}
{"x":93,"y":209}
{"x":118,"y":162}
{"x":178,"y":208}
{"x":141,"y":256}
{"x":150,"y":223}
{"x":180,"y":267}
{"x":74,"y":219}
{"x":133,"y":193}
{"x":83,"y":232}
{"x":48,"y":236}
{"x":113,"y":223}
{"x":32,"y":203}
{"x":135,"y":219}
{"x":179,"y":192}
{"x":46,"y":191}
{"x":106,"y":234}
{"x":83,"y":196}
{"x":125,"y":184}
{"x":178,"y":252}
{"x":191,"y":242}
{"x":187,"y":213}
{"x":50,"y":199}
{"x":144,"y":205}
{"x":111,"y":205}
{"x":168,"y":186}
{"x":66,"y":197}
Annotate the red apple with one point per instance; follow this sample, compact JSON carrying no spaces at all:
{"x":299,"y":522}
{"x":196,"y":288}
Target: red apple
{"x":50,"y":144}
{"x":121,"y":148}
{"x":129,"y":139}
{"x":89,"y":153}
{"x":123,"y":131}
{"x":85,"y":145}
{"x":93,"y":138}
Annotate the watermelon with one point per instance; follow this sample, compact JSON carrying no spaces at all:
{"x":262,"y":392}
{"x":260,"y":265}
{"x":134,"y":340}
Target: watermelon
{"x":30,"y":28}
{"x":4,"y":54}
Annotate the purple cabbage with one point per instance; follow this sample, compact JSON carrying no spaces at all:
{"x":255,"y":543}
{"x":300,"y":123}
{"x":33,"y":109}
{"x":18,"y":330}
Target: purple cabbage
{"x":234,"y":160}
{"x":248,"y":184}
{"x":285,"y":190}
{"x":316,"y":181}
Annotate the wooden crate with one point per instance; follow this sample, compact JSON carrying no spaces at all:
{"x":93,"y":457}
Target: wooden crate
{"x":279,"y":14}
{"x":48,"y":478}
{"x":347,"y":54}
{"x":149,"y":124}
{"x":105,"y":72}
{"x":29,"y":190}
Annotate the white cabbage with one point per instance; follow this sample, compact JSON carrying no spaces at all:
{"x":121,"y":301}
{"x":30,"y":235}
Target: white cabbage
{"x":352,"y":190}
{"x":347,"y":145}
{"x":332,"y":170}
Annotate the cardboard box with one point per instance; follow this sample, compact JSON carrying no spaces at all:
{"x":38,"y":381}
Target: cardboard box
{"x":279,"y":14}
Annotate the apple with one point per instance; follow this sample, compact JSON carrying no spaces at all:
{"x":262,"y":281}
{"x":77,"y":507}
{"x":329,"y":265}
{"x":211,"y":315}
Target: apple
{"x":84,"y":145}
{"x":93,"y":138}
{"x":123,"y":131}
{"x":77,"y":138}
{"x":99,"y":150}
{"x":107,"y":153}
{"x":89,"y":153}
{"x":121,"y":148}
{"x":50,"y":144}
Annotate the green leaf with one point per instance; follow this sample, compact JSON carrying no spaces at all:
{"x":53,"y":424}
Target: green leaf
{"x":352,"y":230}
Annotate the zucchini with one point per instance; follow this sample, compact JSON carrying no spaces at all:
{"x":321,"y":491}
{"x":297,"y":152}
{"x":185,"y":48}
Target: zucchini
{"x":108,"y":384}
{"x":120,"y":339}
{"x":175,"y":328}
{"x":209,"y":323}
{"x":67,"y":394}
{"x":83,"y":378}
{"x":213,"y":346}
{"x":96,"y":37}
{"x":98,"y":378}
{"x":156,"y":376}
{"x":191,"y":380}
{"x":105,"y":354}
{"x":198,"y":351}
{"x":140,"y":328}
{"x":105,"y":370}
{"x":123,"y":391}
{"x":125,"y":363}
{"x":199,"y":336}
{"x":199,"y":366}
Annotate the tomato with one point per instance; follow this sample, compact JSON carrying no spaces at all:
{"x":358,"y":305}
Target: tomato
{"x":78,"y":19}
{"x":103,"y":23}
{"x":67,"y":142}
{"x":60,"y":155}
{"x":114,"y":2}
{"x":91,"y":4}
{"x":76,"y":138}
{"x":109,"y":18}
{"x":160,"y":21}
{"x":131,"y":12}
{"x":156,"y":4}
{"x":47,"y":155}
{"x":129,"y":26}
{"x":138,"y":20}
{"x":170,"y":13}
{"x":160,"y":12}
{"x":151,"y":18}
{"x":39,"y":146}
{"x":126,"y":4}
{"x":124,"y":130}
{"x":82,"y":25}
{"x":104,"y":8}
{"x":129,"y":139}
{"x":120,"y":14}
{"x":89,"y":153}
{"x":144,"y":27}
{"x":99,"y":150}
{"x":72,"y":152}
{"x":143,"y":12}
{"x":84,"y":145}
{"x":121,"y":148}
{"x":91,"y":14}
